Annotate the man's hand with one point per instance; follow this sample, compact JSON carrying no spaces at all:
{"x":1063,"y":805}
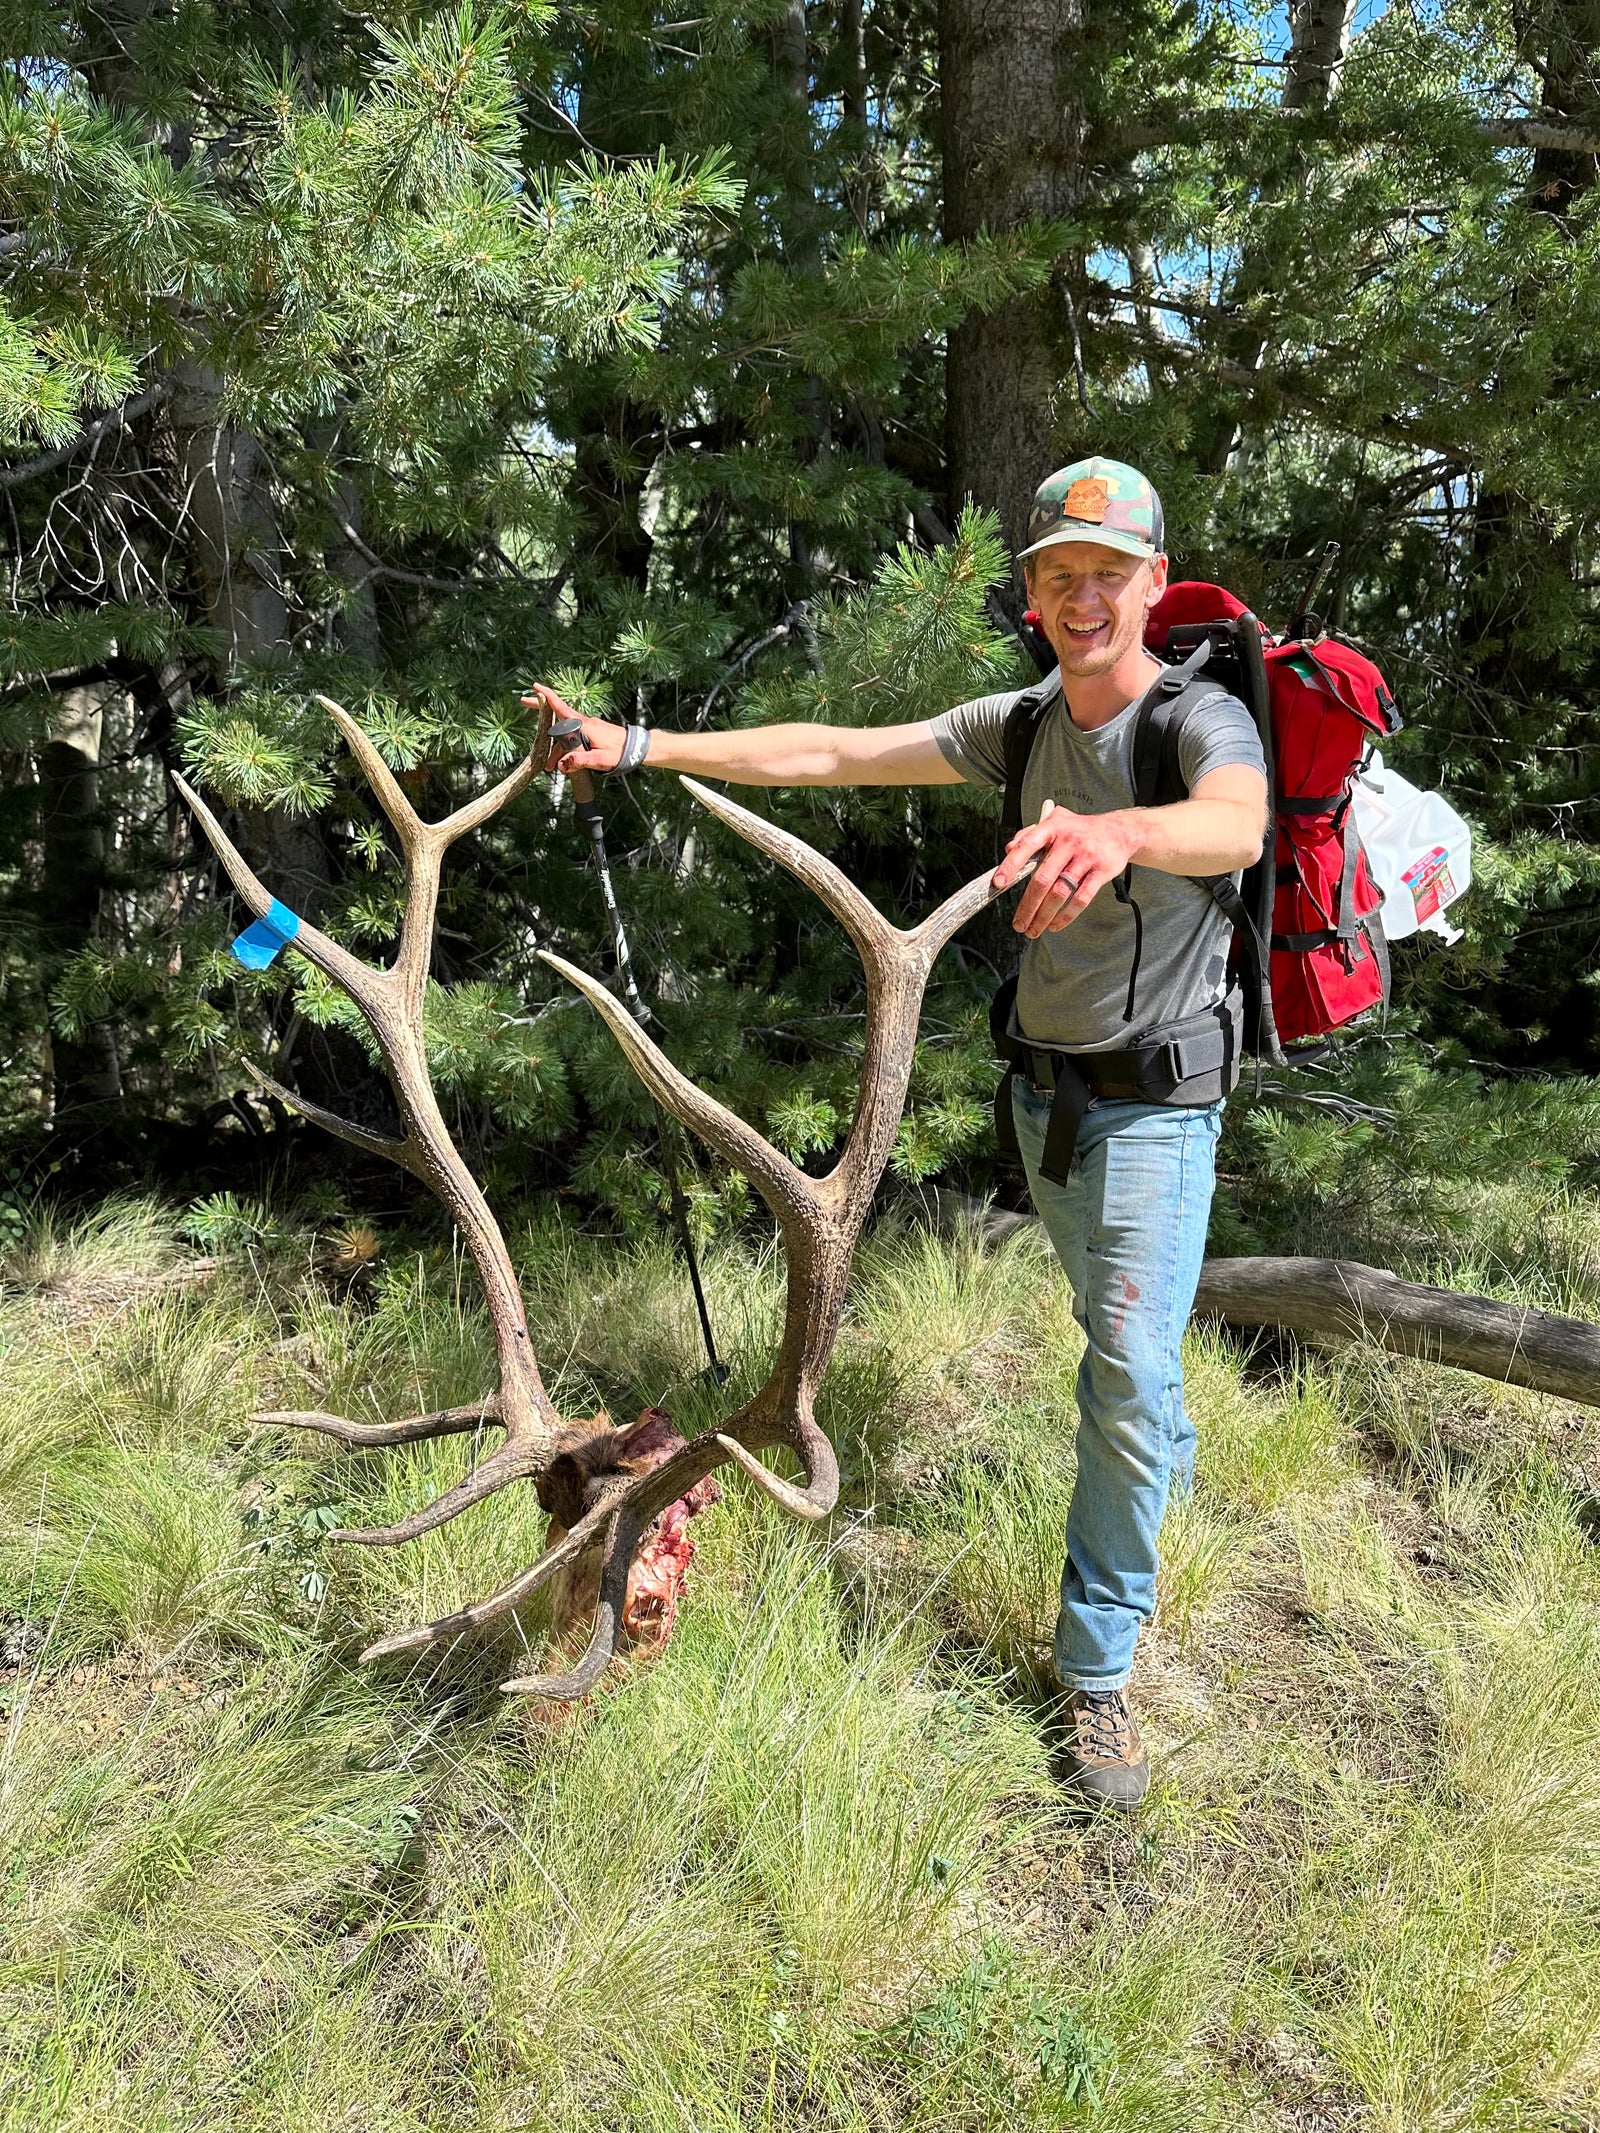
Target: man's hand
{"x":602,"y":743}
{"x":1076,"y":854}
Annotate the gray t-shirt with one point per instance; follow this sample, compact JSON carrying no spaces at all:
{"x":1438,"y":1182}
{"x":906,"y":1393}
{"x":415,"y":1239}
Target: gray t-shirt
{"x":1073,"y":987}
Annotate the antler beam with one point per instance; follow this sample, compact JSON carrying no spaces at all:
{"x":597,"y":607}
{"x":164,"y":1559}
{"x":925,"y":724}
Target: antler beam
{"x":391,"y":1001}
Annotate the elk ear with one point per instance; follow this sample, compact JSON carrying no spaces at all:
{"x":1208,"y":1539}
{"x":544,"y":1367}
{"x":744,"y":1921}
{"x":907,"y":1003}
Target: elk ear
{"x":577,"y":1456}
{"x":560,"y":1491}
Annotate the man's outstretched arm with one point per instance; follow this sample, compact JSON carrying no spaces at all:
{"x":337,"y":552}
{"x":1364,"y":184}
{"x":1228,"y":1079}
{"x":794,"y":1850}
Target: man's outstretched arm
{"x":764,"y":755}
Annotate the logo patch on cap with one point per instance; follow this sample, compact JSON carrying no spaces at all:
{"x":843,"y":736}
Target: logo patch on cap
{"x":1087,"y":499}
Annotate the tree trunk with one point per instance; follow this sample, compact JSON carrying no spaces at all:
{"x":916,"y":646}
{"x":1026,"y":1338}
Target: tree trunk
{"x":1340,"y":1299}
{"x":1524,"y":558}
{"x":84,"y":1071}
{"x":802,"y":250}
{"x":238,"y":558}
{"x":234,"y":543}
{"x":1013,"y":133}
{"x":1319,"y":42}
{"x":355,"y":626}
{"x":856,"y":131}
{"x":1319,"y":39}
{"x":1559,"y":39}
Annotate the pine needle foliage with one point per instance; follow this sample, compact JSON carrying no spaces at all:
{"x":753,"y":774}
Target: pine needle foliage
{"x":430,"y":353}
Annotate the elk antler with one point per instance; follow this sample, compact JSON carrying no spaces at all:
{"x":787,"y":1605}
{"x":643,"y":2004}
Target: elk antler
{"x":820,"y":1219}
{"x":392,"y":1003}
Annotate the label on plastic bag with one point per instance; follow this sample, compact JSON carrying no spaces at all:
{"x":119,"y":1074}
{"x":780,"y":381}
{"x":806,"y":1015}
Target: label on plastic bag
{"x":1430,"y":882}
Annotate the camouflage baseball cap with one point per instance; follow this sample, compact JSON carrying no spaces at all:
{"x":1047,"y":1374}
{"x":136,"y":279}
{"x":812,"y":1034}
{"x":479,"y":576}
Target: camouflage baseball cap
{"x":1097,"y":500}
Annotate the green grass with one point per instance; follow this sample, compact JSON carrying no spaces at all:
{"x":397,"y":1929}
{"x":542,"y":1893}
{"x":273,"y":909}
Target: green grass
{"x":809,"y":1871}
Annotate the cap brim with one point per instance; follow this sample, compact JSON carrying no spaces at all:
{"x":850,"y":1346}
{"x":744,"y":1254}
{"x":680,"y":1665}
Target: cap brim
{"x":1103,"y":536}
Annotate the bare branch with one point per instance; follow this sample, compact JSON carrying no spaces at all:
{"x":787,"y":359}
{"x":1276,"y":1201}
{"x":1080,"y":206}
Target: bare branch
{"x":1196,"y":129}
{"x":128,"y":411}
{"x":1346,"y":1300}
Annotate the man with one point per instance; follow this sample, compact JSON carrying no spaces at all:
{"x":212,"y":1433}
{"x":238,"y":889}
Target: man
{"x":1124,"y":939}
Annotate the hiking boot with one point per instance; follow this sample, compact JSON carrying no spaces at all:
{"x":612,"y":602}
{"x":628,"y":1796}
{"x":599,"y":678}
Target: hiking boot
{"x":1105,"y":1759}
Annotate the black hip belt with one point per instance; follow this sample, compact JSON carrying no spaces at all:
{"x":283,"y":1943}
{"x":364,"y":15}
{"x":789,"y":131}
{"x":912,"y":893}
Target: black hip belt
{"x":1195,"y":1061}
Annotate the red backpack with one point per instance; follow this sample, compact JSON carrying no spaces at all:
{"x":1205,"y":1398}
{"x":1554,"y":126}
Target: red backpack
{"x":1319,"y":706}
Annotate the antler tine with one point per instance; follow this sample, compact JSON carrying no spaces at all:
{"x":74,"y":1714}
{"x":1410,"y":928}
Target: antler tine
{"x":511,"y":1463}
{"x":648,"y":1494}
{"x":443,"y":1422}
{"x":490,"y":803}
{"x":816,"y":1455}
{"x":360,"y":980}
{"x":375,"y":1143}
{"x":863,"y":921}
{"x":896,"y":964}
{"x":409,"y":826}
{"x":942,"y":925}
{"x":786,"y":1190}
{"x":624,"y":1536}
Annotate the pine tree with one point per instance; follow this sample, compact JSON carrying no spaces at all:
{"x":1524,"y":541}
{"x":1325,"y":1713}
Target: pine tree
{"x":429,"y":353}
{"x":487,"y":357}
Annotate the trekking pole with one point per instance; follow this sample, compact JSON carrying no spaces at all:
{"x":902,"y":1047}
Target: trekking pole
{"x":1303,"y":616}
{"x":587,"y":809}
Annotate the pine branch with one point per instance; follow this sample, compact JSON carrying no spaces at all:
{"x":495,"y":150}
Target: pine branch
{"x":128,"y":411}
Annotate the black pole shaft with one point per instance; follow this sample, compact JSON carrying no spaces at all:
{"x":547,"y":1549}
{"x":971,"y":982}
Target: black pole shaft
{"x":678,"y":1199}
{"x":587,"y":809}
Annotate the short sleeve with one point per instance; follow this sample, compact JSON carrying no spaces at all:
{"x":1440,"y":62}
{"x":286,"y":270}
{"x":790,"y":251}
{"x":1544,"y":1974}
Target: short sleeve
{"x":971,"y":738}
{"x":1215,"y":734}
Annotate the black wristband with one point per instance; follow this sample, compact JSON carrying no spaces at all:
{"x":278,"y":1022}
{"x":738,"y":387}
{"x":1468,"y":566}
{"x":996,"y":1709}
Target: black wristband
{"x":635,"y":747}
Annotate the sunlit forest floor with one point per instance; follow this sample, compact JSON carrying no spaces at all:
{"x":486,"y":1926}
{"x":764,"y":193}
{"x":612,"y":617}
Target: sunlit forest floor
{"x":810,"y":1869}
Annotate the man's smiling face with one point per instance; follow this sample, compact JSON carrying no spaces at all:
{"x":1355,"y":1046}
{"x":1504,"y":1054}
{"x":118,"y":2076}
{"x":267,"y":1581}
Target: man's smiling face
{"x":1092,"y":601}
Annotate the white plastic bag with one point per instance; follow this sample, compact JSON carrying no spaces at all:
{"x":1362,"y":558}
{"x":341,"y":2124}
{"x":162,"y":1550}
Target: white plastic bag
{"x":1419,"y":850}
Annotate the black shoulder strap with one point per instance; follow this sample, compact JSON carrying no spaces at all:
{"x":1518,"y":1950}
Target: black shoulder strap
{"x":1016,"y":741}
{"x":1158,"y":728}
{"x":1158,"y":781}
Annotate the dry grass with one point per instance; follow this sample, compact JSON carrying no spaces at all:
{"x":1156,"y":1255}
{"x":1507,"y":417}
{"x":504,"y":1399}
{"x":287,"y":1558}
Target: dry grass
{"x":809,"y":1871}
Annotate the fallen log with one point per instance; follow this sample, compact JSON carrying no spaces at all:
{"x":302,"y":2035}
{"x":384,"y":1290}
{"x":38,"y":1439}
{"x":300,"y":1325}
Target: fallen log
{"x":1342,"y":1299}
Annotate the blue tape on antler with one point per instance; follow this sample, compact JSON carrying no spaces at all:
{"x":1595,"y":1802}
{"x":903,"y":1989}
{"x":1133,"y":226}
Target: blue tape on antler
{"x":261,"y":943}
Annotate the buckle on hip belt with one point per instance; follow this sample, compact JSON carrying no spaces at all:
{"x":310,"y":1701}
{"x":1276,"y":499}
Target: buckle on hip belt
{"x":1043,"y":1070}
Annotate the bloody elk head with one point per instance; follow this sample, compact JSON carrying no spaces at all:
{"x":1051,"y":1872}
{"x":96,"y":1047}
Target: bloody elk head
{"x":609,"y":1492}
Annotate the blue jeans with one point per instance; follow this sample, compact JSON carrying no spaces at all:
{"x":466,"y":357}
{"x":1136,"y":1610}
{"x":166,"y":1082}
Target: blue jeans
{"x":1129,"y":1227}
